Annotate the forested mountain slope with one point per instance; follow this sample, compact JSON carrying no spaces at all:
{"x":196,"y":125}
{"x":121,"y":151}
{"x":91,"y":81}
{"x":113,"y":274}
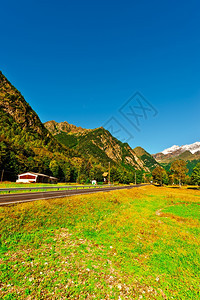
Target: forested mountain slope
{"x":65,"y":151}
{"x":25,"y":144}
{"x":100,"y":145}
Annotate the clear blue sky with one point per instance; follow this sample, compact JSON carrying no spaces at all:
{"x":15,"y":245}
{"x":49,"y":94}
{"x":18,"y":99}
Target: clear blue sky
{"x":80,"y":61}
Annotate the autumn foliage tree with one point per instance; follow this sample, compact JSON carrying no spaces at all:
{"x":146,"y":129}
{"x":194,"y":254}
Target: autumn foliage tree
{"x":179,"y":170}
{"x":159,"y":175}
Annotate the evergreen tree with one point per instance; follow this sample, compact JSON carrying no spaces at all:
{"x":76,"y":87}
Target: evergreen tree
{"x":195,"y":177}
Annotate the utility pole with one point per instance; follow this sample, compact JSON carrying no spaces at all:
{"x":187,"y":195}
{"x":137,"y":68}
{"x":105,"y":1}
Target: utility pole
{"x":109,"y":173}
{"x":144,"y":177}
{"x":2,"y":175}
{"x":77,"y":179}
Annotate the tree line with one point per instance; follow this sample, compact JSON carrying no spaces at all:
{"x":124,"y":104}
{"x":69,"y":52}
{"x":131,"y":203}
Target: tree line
{"x":16,"y":159}
{"x":177,"y":174}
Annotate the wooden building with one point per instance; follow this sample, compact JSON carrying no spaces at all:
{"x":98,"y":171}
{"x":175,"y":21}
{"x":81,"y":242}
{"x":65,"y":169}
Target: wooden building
{"x":31,"y":177}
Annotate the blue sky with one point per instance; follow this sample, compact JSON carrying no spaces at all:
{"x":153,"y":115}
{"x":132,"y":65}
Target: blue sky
{"x":81,"y":61}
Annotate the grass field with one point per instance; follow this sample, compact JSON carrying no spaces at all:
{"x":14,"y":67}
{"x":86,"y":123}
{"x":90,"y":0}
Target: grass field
{"x":142,"y":243}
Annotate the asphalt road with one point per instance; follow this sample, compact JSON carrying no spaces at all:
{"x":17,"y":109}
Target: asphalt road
{"x":9,"y":199}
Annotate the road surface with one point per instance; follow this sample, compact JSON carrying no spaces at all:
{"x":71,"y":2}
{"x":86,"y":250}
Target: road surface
{"x":26,"y":197}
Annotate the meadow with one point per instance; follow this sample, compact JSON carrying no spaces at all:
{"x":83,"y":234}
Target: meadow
{"x":142,"y":243}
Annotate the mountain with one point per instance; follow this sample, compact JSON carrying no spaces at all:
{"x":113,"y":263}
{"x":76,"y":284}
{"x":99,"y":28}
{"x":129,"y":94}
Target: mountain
{"x":148,"y":160}
{"x":63,"y":150}
{"x":56,"y":128}
{"x":185,"y":152}
{"x":25,"y":143}
{"x":100,"y":145}
{"x":189,"y":153}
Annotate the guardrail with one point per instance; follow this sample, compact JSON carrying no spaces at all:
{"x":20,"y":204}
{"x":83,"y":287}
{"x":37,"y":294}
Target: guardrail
{"x":66,"y":187}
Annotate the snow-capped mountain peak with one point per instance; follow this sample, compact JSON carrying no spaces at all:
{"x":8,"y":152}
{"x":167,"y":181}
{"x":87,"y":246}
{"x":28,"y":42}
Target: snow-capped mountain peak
{"x":193,"y":148}
{"x":171,"y":149}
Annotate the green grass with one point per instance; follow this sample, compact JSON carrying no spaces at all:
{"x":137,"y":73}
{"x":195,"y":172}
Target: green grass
{"x":188,"y":210}
{"x":35,"y":185}
{"x":18,"y":185}
{"x":129,"y":244}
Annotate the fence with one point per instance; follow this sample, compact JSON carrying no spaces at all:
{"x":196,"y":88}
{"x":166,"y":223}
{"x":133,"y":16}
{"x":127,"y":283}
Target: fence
{"x":45,"y":188}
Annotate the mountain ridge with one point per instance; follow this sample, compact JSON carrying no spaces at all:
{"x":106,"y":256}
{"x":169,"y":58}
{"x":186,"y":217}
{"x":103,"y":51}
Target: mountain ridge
{"x":56,"y":127}
{"x":25,"y":143}
{"x":193,"y":148}
{"x":63,"y":150}
{"x":98,"y":139}
{"x":186,"y":152}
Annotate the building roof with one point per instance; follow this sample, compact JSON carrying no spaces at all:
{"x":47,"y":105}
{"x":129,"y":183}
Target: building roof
{"x":37,"y":174}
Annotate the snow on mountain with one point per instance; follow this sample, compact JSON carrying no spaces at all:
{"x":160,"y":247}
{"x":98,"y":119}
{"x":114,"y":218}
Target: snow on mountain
{"x":171,"y":149}
{"x":193,"y":148}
